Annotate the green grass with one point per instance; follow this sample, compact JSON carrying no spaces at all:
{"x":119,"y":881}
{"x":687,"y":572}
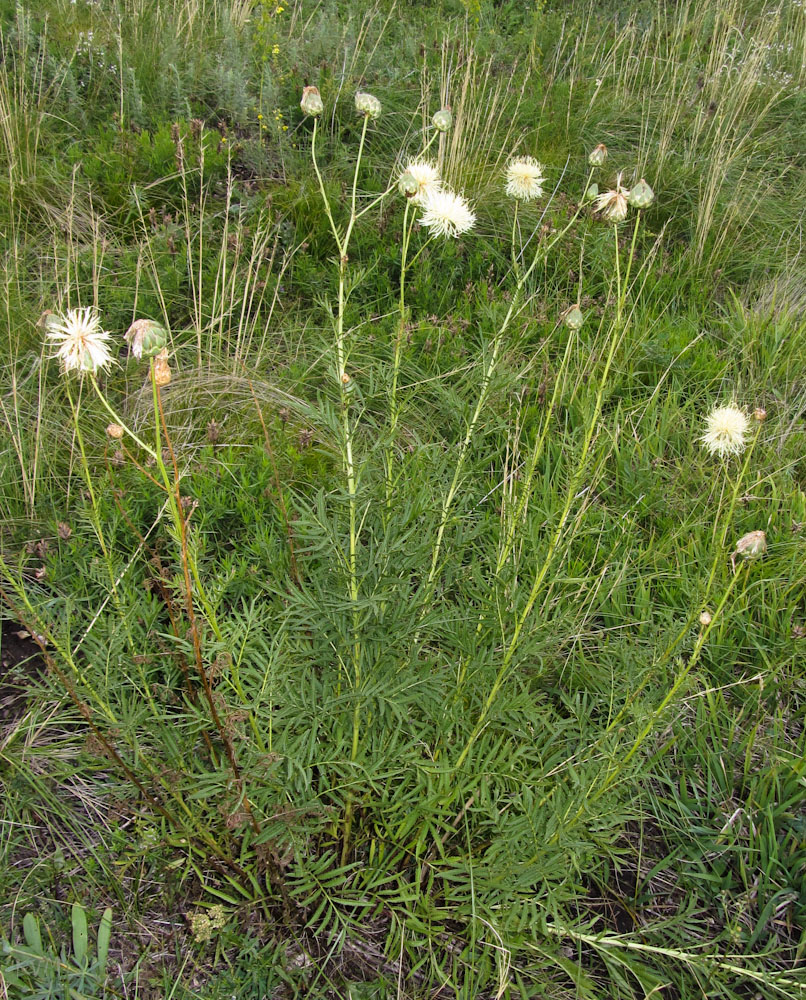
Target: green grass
{"x":406,"y":673}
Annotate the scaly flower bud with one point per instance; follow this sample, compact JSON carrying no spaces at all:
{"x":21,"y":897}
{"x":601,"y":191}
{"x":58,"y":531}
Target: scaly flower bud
{"x":598,"y":155}
{"x":573,"y":318}
{"x":115,"y":431}
{"x":311,"y":102}
{"x":407,"y":185}
{"x":146,"y":338}
{"x":366,"y":104}
{"x":641,"y":195}
{"x":443,"y":119}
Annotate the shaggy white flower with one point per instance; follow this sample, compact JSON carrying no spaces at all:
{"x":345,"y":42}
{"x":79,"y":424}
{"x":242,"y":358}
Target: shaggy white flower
{"x":612,"y":205}
{"x":81,"y":343}
{"x":524,"y":179}
{"x":726,"y":431}
{"x":427,"y":177}
{"x":446,"y":214}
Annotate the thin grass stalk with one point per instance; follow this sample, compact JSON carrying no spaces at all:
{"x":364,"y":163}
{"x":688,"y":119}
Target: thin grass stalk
{"x":616,"y":337}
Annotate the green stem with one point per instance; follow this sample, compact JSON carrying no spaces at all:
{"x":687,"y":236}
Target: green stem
{"x":576,"y":478}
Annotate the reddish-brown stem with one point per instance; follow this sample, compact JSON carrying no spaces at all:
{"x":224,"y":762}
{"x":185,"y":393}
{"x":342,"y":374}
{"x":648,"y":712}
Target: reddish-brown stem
{"x":194,"y":625}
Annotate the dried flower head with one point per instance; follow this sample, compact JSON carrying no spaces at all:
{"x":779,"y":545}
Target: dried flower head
{"x":524,"y":179}
{"x":612,"y":205}
{"x":759,"y":414}
{"x":598,"y":155}
{"x":311,"y":102}
{"x":115,"y":431}
{"x":426,"y":177}
{"x":446,"y":214}
{"x":368,"y":105}
{"x":146,"y":338}
{"x":725,"y":431}
{"x":753,"y":545}
{"x":162,"y":370}
{"x":80,"y":342}
{"x":705,"y":618}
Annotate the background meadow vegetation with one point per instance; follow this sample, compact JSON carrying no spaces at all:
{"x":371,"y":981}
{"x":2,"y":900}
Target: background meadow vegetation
{"x":508,"y":763}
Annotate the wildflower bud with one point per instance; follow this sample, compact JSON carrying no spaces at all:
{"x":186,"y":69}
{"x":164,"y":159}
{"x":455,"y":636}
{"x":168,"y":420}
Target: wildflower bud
{"x":573,"y":318}
{"x":146,"y":338}
{"x":705,"y":618}
{"x":592,"y":192}
{"x":367,"y":105}
{"x":642,"y":195}
{"x":752,"y":545}
{"x":345,"y":379}
{"x":407,"y":185}
{"x":115,"y":431}
{"x":311,"y":102}
{"x":598,"y":155}
{"x":760,"y":414}
{"x":48,"y":321}
{"x":442,"y":120}
{"x":162,"y":371}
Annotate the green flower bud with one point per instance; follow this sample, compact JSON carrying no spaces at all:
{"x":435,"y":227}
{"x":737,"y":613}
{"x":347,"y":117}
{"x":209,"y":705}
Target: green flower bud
{"x":592,"y":192}
{"x":407,"y":185}
{"x":598,"y":155}
{"x":146,"y":338}
{"x":642,"y":195}
{"x":311,"y":102}
{"x":442,"y":120}
{"x":573,"y":318}
{"x":366,"y":104}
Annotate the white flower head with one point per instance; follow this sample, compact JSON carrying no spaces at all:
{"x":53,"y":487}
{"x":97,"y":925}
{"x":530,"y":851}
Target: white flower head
{"x":524,"y":179}
{"x":427,"y":177}
{"x":725,"y":431}
{"x":446,"y":214}
{"x":612,"y":205}
{"x":80,"y":342}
